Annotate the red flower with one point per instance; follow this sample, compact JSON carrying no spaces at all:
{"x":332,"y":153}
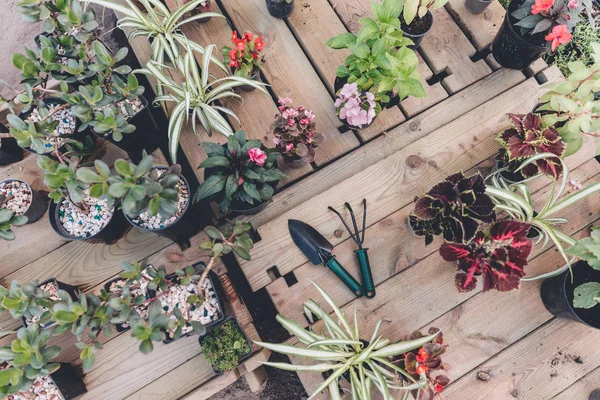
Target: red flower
{"x":258,"y":156}
{"x":541,"y":5}
{"x":248,"y":36}
{"x":233,"y":54}
{"x":255,"y":56}
{"x":234,"y":36}
{"x":421,"y":369}
{"x":234,"y":63}
{"x":258,"y":42}
{"x":240,"y":44}
{"x":240,"y":181}
{"x":422,"y":356}
{"x":560,"y":35}
{"x":439,"y":388}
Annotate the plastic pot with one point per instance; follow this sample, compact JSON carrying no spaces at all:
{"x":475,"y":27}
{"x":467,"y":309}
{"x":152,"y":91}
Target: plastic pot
{"x":242,"y":359}
{"x":293,"y":163}
{"x":145,"y":137}
{"x":219,"y":295}
{"x":280,"y":8}
{"x":69,"y":381}
{"x":110,"y":234}
{"x":417,"y":29}
{"x":71,"y":290}
{"x":557,"y":295}
{"x":255,"y":77}
{"x":477,"y":6}
{"x":149,"y":294}
{"x":510,"y":49}
{"x":38,"y":204}
{"x":10,"y":152}
{"x":184,"y":228}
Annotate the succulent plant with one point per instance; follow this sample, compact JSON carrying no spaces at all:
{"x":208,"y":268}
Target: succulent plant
{"x":8,"y":220}
{"x":527,"y":138}
{"x":454,"y":207}
{"x":244,"y":172}
{"x":499,"y":255}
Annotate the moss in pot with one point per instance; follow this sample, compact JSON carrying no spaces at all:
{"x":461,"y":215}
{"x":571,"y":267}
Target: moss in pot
{"x":244,"y":56}
{"x":226,"y":346}
{"x":241,"y":175}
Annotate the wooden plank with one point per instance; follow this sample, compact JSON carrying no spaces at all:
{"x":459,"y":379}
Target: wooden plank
{"x":291,"y":75}
{"x":394,"y":180}
{"x":213,"y":386}
{"x":418,"y":127}
{"x":446,"y":48}
{"x":256,"y":379}
{"x":481,"y":28}
{"x":582,"y":388}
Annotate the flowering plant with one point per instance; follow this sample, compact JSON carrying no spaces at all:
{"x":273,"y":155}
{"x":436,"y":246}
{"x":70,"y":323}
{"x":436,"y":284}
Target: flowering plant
{"x":358,"y":109}
{"x":424,"y":361}
{"x":587,"y":295}
{"x":294,"y":130}
{"x":557,"y":18}
{"x":244,"y":56}
{"x":243,"y":171}
{"x":527,"y":138}
{"x":454,"y":207}
{"x":499,"y":255}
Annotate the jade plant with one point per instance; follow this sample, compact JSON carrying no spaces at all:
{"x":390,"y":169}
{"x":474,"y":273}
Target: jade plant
{"x":8,"y":220}
{"x":587,"y":295}
{"x":454,"y":208}
{"x":498,"y":254}
{"x":380,"y":59}
{"x":224,"y":346}
{"x":338,"y":348}
{"x":526,"y":138}
{"x":243,"y":172}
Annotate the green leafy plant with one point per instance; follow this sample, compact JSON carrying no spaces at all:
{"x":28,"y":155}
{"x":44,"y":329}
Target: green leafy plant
{"x":417,"y":8}
{"x":243,"y":171}
{"x":8,"y":220}
{"x":375,"y":64}
{"x":578,"y":49}
{"x":587,"y":295}
{"x":340,"y":350}
{"x":224,"y":346}
{"x":196,"y":97}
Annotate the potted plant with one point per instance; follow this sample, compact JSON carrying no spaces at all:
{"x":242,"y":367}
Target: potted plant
{"x":453,"y":208}
{"x":8,"y":220}
{"x":341,"y":351}
{"x":477,"y":6}
{"x":19,"y":198}
{"x":417,"y":20}
{"x":226,"y":345}
{"x":575,"y":294}
{"x":280,"y":8}
{"x":196,"y":98}
{"x":526,"y":138}
{"x":531,"y":27}
{"x":241,"y":176}
{"x":244,"y":57}
{"x":10,"y":152}
{"x":295,"y":134}
{"x":379,"y":39}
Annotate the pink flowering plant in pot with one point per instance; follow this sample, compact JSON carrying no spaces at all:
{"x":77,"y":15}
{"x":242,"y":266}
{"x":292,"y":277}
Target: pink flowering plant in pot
{"x":295,"y":133}
{"x":356,"y":109}
{"x":240,"y":174}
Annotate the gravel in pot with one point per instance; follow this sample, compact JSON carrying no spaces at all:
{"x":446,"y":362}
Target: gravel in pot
{"x":23,"y":200}
{"x":51,"y":287}
{"x":136,"y":288}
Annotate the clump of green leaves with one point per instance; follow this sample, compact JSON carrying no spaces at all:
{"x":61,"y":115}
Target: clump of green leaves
{"x":587,"y":249}
{"x":229,"y":237}
{"x":8,"y":220}
{"x":380,"y":59}
{"x":28,"y":301}
{"x":224,"y":346}
{"x":579,"y":48}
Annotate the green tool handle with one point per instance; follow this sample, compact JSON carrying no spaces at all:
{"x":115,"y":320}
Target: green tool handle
{"x":337,"y":268}
{"x":365,"y":269}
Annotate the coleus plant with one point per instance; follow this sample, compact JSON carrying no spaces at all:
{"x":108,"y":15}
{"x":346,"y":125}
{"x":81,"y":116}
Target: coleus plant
{"x":242,"y":171}
{"x":587,"y":295}
{"x":380,"y":59}
{"x":244,"y":56}
{"x":499,"y":255}
{"x":454,"y":208}
{"x":294,"y":132}
{"x":527,"y":137}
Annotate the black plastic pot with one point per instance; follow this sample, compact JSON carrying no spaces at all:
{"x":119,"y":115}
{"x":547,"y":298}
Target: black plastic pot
{"x":145,"y":137}
{"x":510,"y":49}
{"x":39,"y":203}
{"x":10,"y":152}
{"x":149,"y":294}
{"x":219,"y":294}
{"x":293,"y":163}
{"x":417,"y":29}
{"x":185,"y":227}
{"x":69,"y":381}
{"x":71,"y":290}
{"x":557,"y":295}
{"x":111,"y":233}
{"x":280,"y":8}
{"x":477,"y":6}
{"x":244,"y":358}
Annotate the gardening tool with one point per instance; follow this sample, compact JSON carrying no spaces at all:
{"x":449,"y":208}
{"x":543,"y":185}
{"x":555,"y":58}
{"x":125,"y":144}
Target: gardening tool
{"x":361,"y":254}
{"x":318,"y":250}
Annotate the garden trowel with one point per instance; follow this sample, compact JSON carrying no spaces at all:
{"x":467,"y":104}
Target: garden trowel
{"x":318,"y":250}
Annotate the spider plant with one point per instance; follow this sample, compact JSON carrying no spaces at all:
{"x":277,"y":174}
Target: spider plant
{"x":197,"y":96}
{"x":341,"y":351}
{"x":515,"y":200}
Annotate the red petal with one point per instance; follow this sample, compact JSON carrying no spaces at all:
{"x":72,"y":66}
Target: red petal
{"x":454,"y":251}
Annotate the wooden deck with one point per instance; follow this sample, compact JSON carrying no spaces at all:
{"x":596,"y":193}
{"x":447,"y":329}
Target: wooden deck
{"x":528,"y":353}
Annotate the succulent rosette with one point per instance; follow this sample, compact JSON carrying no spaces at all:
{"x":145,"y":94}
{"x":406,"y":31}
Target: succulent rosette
{"x":454,"y":207}
{"x":526,"y":138}
{"x":499,"y":256}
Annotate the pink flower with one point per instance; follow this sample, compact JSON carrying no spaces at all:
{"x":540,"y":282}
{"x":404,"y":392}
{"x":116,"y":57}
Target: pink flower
{"x":560,"y":35}
{"x":353,"y":111}
{"x":281,"y":108}
{"x":276,"y":140}
{"x":289,"y":146}
{"x":258,"y":156}
{"x":284,"y":101}
{"x":576,"y":184}
{"x":309,"y":115}
{"x":541,"y":6}
{"x":292,"y":122}
{"x":240,"y":181}
{"x":304,"y":121}
{"x":573,"y":4}
{"x":289,"y":113}
{"x":349,"y":90}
